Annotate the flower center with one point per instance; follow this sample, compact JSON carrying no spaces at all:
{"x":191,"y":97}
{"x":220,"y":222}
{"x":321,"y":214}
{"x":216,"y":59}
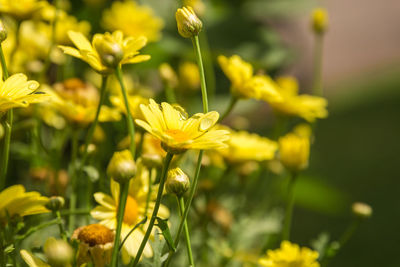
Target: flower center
{"x":131,"y":211}
{"x":177,"y":135}
{"x":96,"y":234}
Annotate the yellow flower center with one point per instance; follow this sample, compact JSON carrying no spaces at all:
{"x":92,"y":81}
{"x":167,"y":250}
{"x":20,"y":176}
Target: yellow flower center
{"x":95,"y":234}
{"x":131,"y":211}
{"x":177,"y":135}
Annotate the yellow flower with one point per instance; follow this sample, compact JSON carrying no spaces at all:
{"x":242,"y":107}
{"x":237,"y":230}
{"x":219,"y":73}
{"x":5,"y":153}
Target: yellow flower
{"x":307,"y":107}
{"x":246,"y":85}
{"x":189,"y":25}
{"x":290,"y":255}
{"x":17,"y":91}
{"x":133,"y":20}
{"x":104,"y":47}
{"x":134,"y":104}
{"x":198,"y":6}
{"x":31,"y":260}
{"x":77,"y":102}
{"x":294,"y":151}
{"x":319,"y":20}
{"x":135,"y":211}
{"x":14,"y":201}
{"x":179,"y":133}
{"x":168,"y":75}
{"x":189,"y":76}
{"x":21,"y":9}
{"x":244,"y":146}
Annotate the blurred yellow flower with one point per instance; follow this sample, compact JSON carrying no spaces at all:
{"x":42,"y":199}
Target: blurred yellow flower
{"x":179,"y":133}
{"x":14,"y":201}
{"x":21,"y":9}
{"x":77,"y":102}
{"x":319,"y":20}
{"x":135,"y":211}
{"x":198,"y":6}
{"x":189,"y":76}
{"x":307,"y":107}
{"x":105,"y":47}
{"x":294,"y":151}
{"x":133,"y":20}
{"x":244,"y":146}
{"x":31,"y":260}
{"x":290,"y":255}
{"x":17,"y":91}
{"x":246,"y":85}
{"x":168,"y":75}
{"x":134,"y":104}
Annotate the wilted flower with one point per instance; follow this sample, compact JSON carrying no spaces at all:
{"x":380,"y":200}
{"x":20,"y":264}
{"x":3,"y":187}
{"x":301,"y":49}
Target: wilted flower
{"x":179,"y":133}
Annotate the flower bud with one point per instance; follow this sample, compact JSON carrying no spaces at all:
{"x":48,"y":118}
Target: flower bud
{"x":3,"y":32}
{"x":361,"y":210}
{"x":110,"y":52}
{"x":152,"y":160}
{"x":122,"y":167}
{"x":177,"y":182}
{"x":189,"y":25}
{"x":319,"y":20}
{"x":58,"y":252}
{"x":294,"y":152}
{"x":55,"y":203}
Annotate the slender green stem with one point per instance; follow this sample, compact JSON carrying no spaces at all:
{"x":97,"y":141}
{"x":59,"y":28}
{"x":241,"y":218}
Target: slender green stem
{"x":7,"y":129}
{"x":152,"y":175}
{"x":317,"y":75}
{"x":73,"y":177}
{"x":124,"y":190}
{"x":129,"y":119}
{"x":89,"y":136}
{"x":181,"y":205}
{"x":61,"y":225}
{"x":17,"y":39}
{"x":232,"y":104}
{"x":187,"y":207}
{"x":289,"y":208}
{"x":36,"y":228}
{"x":208,"y":64}
{"x":197,"y":50}
{"x":167,"y":162}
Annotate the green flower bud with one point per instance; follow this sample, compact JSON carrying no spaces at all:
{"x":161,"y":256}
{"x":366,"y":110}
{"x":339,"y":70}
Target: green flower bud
{"x":58,"y":252}
{"x":152,"y":160}
{"x":110,"y":52}
{"x":361,"y":210}
{"x":55,"y":203}
{"x":122,"y":167}
{"x":177,"y":182}
{"x":189,"y":25}
{"x":3,"y":32}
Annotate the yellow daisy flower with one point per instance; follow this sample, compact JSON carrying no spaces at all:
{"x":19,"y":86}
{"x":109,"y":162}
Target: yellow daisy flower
{"x":17,"y":91}
{"x":105,"y":48}
{"x":77,"y":102}
{"x":14,"y":201}
{"x":244,"y":146}
{"x":290,"y":255}
{"x":133,"y":20}
{"x":135,"y":211}
{"x":246,"y":85}
{"x":307,"y":107}
{"x":21,"y":9}
{"x":179,"y":133}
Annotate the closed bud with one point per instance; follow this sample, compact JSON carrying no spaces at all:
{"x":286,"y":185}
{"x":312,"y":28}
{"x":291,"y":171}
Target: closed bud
{"x":58,"y":252}
{"x":55,"y":203}
{"x":319,"y":20}
{"x":110,"y":52}
{"x":294,"y":152}
{"x":152,"y":160}
{"x":3,"y":32}
{"x":362,"y":210}
{"x":122,"y":167}
{"x":189,"y":25}
{"x":177,"y":182}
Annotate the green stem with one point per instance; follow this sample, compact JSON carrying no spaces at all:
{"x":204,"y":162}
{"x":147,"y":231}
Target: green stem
{"x":208,"y":63}
{"x":61,"y":226}
{"x":7,"y":129}
{"x":167,"y":162}
{"x":289,"y":208}
{"x":317,"y":75}
{"x":197,"y":50}
{"x":72,"y":175}
{"x":153,"y":172}
{"x":170,"y":94}
{"x":17,"y":39}
{"x":92,"y":128}
{"x":181,"y":205}
{"x":129,"y":119}
{"x":232,"y":104}
{"x":187,"y":207}
{"x":124,"y":190}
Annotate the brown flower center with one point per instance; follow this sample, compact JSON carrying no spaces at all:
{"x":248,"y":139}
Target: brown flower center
{"x":131,"y":211}
{"x":96,"y":234}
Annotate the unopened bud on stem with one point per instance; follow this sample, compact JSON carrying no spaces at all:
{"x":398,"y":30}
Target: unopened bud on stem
{"x":189,"y":25}
{"x":122,"y":167}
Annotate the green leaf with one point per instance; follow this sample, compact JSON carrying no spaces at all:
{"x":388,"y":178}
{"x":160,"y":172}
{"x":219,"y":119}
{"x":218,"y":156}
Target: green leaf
{"x":163,"y":225}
